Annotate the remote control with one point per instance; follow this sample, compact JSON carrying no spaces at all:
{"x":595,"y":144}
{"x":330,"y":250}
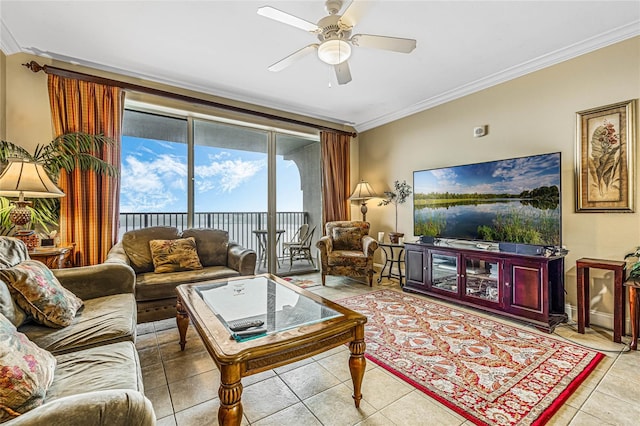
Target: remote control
{"x":241,"y":325}
{"x":249,"y":333}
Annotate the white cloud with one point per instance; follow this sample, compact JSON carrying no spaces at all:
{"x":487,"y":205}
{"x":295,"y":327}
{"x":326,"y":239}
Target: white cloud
{"x":226,"y":175}
{"x":145,"y":184}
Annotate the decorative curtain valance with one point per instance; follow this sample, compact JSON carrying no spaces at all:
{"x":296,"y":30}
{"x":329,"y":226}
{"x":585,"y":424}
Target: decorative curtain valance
{"x":89,"y":212}
{"x":335,"y":176}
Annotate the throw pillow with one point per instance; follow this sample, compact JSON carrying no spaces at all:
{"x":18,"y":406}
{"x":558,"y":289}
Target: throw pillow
{"x":175,"y":255}
{"x":26,"y":372}
{"x":349,"y":238}
{"x":37,"y":291}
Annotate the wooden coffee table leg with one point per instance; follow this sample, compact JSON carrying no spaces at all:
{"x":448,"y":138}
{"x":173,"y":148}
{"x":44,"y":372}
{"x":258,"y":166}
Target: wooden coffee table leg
{"x":182,"y":319}
{"x":357,"y":363}
{"x":230,"y":394}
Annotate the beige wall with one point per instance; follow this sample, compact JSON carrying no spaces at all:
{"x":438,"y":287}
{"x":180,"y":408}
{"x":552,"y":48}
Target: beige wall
{"x":3,"y":102}
{"x":533,"y":114}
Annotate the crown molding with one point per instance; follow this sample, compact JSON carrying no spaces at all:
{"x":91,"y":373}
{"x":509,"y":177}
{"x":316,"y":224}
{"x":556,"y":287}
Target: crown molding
{"x":585,"y":46}
{"x":8,"y":43}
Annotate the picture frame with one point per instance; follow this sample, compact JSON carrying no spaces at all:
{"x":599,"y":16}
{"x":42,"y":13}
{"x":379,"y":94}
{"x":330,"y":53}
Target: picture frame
{"x":605,"y":158}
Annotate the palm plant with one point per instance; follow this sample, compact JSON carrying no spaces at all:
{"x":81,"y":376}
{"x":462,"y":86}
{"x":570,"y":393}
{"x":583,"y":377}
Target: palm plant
{"x":68,"y":151}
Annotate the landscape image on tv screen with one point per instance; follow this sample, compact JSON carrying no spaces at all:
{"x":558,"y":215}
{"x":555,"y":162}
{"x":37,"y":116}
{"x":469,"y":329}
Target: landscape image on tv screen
{"x":515,"y":200}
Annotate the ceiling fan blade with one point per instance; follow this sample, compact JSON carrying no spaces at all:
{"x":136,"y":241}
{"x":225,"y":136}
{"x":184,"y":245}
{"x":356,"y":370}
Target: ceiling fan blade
{"x":342,"y":72}
{"x":355,"y":11}
{"x":286,"y":18}
{"x":395,"y":44}
{"x":283,"y":63}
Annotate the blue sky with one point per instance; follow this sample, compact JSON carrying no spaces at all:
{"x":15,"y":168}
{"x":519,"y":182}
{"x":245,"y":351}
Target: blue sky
{"x":505,"y":176}
{"x":154,"y":179}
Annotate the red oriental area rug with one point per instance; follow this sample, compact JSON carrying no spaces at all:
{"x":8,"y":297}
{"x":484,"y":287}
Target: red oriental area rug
{"x":488,"y":372}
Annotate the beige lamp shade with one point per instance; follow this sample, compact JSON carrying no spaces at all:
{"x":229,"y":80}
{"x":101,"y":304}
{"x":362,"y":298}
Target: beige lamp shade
{"x":362,"y":193}
{"x":26,"y":179}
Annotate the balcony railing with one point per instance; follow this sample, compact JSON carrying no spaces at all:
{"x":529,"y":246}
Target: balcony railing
{"x":240,"y":225}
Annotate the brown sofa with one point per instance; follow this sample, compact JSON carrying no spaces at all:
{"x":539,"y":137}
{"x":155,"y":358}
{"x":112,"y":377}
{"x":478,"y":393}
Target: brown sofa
{"x":97,"y":378}
{"x":155,"y":292}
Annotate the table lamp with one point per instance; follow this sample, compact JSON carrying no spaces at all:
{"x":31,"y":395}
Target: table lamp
{"x":363,"y":192}
{"x":26,"y":179}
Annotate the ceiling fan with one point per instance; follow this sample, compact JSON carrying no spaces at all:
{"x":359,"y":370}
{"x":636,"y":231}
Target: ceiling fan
{"x":334,"y":33}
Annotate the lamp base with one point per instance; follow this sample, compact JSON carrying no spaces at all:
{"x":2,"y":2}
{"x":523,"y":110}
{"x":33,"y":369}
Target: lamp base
{"x":20,"y":215}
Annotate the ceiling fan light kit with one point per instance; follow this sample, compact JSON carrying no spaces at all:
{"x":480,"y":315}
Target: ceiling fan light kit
{"x":334,"y":52}
{"x":334,"y":33}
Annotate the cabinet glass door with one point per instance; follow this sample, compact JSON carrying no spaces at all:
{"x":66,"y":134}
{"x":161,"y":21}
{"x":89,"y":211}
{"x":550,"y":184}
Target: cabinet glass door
{"x":482,"y":279}
{"x":444,"y":272}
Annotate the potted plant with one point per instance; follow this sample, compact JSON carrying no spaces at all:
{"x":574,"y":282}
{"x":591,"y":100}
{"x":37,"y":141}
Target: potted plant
{"x":68,"y":151}
{"x":399,"y":195}
{"x":634,"y":271}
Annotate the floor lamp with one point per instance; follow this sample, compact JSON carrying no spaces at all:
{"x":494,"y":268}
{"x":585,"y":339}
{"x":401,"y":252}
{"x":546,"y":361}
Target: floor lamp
{"x":26,"y":179}
{"x":362,"y":193}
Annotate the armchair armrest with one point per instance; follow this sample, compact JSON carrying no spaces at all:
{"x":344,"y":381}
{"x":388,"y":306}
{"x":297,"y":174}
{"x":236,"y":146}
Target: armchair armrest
{"x":118,"y":255}
{"x":90,"y":282}
{"x":325,"y":244}
{"x":100,"y":408}
{"x":241,"y":259}
{"x":369,"y":245}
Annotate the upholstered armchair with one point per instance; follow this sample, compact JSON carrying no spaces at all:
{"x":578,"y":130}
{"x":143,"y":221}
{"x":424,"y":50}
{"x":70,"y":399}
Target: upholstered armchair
{"x":346,"y":249}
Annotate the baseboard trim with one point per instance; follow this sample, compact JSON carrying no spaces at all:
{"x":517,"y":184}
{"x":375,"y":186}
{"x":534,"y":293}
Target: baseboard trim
{"x":601,"y":319}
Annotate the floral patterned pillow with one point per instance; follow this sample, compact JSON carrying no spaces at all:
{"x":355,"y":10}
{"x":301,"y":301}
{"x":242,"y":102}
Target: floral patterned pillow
{"x":349,"y":238}
{"x":26,"y":372}
{"x":175,"y":255}
{"x":37,"y":291}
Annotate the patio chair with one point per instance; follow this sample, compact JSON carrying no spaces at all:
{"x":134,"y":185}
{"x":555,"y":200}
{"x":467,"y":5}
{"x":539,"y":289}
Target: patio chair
{"x":295,"y":240}
{"x":302,"y":250}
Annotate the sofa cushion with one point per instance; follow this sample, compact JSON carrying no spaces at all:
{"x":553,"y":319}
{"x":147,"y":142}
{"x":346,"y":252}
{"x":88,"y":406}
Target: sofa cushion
{"x":40,"y":294}
{"x":212,"y":245}
{"x":12,"y":252}
{"x":151,"y":286}
{"x":114,"y":366}
{"x":175,"y":255}
{"x":26,"y":372}
{"x":136,"y":245}
{"x":347,"y":238}
{"x":103,"y":320}
{"x":9,"y":308}
{"x":356,"y":259}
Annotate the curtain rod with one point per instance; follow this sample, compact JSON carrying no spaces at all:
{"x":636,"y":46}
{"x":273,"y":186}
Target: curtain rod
{"x":36,"y":67}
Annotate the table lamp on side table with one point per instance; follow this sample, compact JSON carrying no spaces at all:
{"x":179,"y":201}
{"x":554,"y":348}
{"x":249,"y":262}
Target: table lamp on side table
{"x":363,"y":192}
{"x":26,"y":179}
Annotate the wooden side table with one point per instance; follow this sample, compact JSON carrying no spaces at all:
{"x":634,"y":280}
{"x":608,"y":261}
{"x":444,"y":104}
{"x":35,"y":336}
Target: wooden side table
{"x":582,"y":267}
{"x":634,"y":310}
{"x":53,"y":257}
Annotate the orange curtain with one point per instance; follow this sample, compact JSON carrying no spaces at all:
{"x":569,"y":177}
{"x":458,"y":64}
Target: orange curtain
{"x":335,"y":176}
{"x":89,"y":211}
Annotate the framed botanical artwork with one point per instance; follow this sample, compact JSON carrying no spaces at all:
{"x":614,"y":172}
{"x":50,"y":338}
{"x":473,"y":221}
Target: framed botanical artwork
{"x":605,"y":158}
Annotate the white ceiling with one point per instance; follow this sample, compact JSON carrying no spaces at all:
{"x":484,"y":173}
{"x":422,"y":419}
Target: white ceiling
{"x":224,"y":47}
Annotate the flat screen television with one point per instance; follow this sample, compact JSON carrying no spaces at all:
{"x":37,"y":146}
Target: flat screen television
{"x":514,"y":201}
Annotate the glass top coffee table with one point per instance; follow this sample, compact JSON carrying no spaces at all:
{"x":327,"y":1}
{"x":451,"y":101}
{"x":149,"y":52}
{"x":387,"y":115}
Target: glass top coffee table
{"x":290,"y":324}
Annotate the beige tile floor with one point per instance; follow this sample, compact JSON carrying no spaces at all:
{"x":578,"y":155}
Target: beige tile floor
{"x":182,"y":386}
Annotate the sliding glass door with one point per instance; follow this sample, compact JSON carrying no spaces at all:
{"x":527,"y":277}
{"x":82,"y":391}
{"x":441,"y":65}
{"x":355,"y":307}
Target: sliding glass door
{"x":230,"y":183}
{"x":298,"y":201}
{"x":259,"y":184}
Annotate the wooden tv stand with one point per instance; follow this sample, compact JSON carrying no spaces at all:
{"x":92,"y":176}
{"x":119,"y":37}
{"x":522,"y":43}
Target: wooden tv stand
{"x":523,"y":287}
